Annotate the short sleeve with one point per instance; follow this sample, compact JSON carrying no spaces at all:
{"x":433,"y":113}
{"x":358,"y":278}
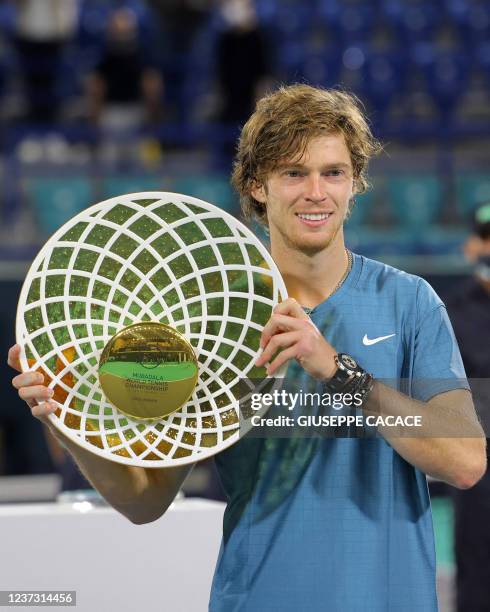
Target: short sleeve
{"x":437,"y":362}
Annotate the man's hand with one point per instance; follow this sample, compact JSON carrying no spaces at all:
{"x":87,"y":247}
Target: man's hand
{"x":140,"y":494}
{"x":30,"y":387}
{"x":291,"y":331}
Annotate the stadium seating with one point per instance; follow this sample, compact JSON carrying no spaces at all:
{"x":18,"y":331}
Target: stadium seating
{"x":360,"y":211}
{"x":422,"y":69}
{"x":415,"y":200}
{"x":320,"y":68}
{"x":413,"y":21}
{"x":119,"y":184}
{"x":354,"y":22}
{"x":383,"y":76}
{"x":215,"y":189}
{"x":473,"y":20}
{"x":446,"y":77}
{"x":471,"y":190}
{"x":55,"y":200}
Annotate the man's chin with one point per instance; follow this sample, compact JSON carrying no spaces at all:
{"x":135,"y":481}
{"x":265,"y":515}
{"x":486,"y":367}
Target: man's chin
{"x":314,"y":246}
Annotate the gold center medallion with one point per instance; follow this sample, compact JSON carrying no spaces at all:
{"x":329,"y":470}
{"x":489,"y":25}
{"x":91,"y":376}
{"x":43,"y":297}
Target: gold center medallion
{"x":148,"y":370}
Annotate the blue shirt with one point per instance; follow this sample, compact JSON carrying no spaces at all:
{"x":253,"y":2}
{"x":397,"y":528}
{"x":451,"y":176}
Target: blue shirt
{"x":342,"y":524}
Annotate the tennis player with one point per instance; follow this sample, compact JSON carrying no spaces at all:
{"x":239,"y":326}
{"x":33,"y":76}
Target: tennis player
{"x":320,"y":523}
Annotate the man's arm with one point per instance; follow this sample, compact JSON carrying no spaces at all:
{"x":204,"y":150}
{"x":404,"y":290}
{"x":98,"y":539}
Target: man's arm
{"x":450,"y":444}
{"x":140,"y":494}
{"x":453,"y":446}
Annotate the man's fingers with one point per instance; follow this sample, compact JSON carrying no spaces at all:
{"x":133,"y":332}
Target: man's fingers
{"x":43,"y":409}
{"x":27,"y":379}
{"x":13,"y":359}
{"x":287,"y":315}
{"x":37,"y":392}
{"x":281,"y":359}
{"x":278,"y":323}
{"x":276,"y":342}
{"x":290,"y":307}
{"x":30,"y":387}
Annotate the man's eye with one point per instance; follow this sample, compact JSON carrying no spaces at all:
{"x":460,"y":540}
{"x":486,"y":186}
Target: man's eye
{"x":292,"y":173}
{"x":335,"y":172}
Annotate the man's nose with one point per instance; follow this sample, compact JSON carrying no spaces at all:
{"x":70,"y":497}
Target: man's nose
{"x":315,"y":190}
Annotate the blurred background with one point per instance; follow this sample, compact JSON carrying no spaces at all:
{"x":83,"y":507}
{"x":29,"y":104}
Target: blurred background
{"x":103,"y":97}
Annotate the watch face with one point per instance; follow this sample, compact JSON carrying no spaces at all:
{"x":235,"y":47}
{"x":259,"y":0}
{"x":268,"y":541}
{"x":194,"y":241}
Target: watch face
{"x":349,"y":362}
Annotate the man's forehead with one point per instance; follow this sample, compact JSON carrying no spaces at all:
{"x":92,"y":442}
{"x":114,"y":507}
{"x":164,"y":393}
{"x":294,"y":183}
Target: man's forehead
{"x":332,"y":144}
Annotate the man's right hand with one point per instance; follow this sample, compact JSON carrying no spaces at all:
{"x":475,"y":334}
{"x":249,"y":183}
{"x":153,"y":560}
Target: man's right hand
{"x":140,"y":494}
{"x":31,"y":388}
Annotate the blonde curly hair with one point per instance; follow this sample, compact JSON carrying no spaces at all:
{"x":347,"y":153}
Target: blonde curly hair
{"x":280,"y":129}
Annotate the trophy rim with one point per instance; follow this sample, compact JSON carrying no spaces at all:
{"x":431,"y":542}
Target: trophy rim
{"x":169,"y":461}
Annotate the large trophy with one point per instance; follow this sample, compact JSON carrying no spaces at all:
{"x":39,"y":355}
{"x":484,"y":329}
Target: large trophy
{"x":144,"y":313}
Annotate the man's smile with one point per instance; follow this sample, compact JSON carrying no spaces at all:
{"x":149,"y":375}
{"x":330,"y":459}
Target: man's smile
{"x":314,"y":219}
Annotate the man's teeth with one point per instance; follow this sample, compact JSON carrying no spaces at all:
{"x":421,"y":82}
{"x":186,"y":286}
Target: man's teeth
{"x":314,"y":216}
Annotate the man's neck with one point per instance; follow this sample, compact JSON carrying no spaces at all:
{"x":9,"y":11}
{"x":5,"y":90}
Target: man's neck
{"x":311,"y":279}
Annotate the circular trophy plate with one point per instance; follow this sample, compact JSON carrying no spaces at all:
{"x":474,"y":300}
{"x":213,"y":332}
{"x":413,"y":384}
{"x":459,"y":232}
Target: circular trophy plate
{"x":124,"y":375}
{"x":152,"y":302}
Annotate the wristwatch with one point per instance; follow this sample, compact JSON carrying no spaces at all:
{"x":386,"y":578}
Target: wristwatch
{"x":349,"y":378}
{"x":348,"y":370}
{"x":359,"y":381}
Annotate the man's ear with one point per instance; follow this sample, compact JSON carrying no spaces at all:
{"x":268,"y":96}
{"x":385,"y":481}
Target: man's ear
{"x":258,"y":193}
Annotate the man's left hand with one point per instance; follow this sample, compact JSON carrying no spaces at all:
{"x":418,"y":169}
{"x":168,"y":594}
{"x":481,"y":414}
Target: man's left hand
{"x":291,"y":332}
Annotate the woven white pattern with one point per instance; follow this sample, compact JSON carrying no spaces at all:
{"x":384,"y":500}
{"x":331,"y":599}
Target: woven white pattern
{"x":150,"y":256}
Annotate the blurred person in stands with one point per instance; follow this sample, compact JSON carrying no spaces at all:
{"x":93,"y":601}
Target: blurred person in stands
{"x":43,"y":27}
{"x":241,"y":65}
{"x":125,"y":90}
{"x":179,"y":22}
{"x":469,"y":310}
{"x":242,"y":61}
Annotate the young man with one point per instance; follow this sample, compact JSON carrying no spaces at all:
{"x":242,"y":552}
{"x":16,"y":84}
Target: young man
{"x":314,"y":523}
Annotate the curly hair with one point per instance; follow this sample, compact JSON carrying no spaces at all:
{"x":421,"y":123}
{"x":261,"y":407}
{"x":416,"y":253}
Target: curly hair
{"x":281,"y":127}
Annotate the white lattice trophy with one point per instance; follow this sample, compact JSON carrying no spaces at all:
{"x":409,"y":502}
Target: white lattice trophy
{"x":144,"y":313}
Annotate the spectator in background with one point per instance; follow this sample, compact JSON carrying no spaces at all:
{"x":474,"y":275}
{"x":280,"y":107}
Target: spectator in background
{"x":125,"y":91}
{"x":469,"y":311}
{"x":242,"y":62}
{"x":181,"y":19}
{"x":43,"y":27}
{"x":242,"y":69}
{"x":180,"y":22}
{"x":125,"y":88}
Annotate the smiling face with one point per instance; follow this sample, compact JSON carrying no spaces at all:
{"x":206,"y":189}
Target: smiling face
{"x":307,"y":199}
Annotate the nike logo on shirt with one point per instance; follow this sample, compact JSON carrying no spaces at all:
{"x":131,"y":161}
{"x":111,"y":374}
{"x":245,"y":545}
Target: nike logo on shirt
{"x":367,"y":342}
